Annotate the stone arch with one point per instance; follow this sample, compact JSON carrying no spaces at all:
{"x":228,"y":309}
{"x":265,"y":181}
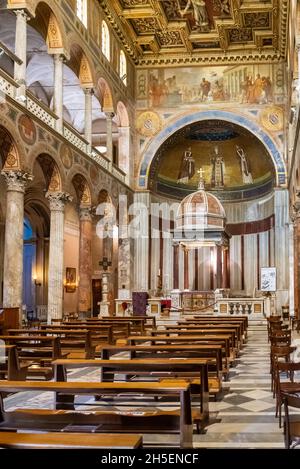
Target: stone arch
{"x":48,"y":17}
{"x":122,"y":115}
{"x":183,"y":121}
{"x":54,"y":164}
{"x":9,"y":154}
{"x":82,"y":190}
{"x":105,"y":95}
{"x":81,"y":65}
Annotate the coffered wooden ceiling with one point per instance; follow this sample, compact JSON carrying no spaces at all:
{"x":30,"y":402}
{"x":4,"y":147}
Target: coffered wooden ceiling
{"x":175,"y":32}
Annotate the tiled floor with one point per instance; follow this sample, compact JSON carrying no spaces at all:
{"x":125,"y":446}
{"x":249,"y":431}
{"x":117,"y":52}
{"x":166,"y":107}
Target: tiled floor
{"x":244,"y":418}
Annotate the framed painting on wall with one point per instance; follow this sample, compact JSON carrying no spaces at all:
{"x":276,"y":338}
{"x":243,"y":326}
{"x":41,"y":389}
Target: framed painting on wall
{"x":70,"y":285}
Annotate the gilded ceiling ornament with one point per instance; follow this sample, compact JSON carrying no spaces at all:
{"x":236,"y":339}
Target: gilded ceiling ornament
{"x":148,"y":123}
{"x":272,"y":118}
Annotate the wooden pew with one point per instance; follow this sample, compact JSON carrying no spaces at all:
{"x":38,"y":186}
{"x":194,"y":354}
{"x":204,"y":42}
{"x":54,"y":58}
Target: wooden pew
{"x":118,"y":329}
{"x":237,"y":327}
{"x":153,"y":368}
{"x":38,"y":351}
{"x":12,"y":368}
{"x":240,"y":325}
{"x":201,"y":332}
{"x":78,"y":343}
{"x":223,"y":339}
{"x":14,"y":440}
{"x":103,"y":333}
{"x":109,"y":421}
{"x":211,"y":353}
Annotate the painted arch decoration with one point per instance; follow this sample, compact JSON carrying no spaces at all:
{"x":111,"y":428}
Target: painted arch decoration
{"x":231,"y":117}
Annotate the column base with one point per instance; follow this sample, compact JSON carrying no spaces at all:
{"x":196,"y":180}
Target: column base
{"x":104,"y":308}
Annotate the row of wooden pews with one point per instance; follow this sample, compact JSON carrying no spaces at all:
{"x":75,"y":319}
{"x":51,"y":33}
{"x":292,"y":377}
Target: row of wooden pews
{"x":184,"y":363}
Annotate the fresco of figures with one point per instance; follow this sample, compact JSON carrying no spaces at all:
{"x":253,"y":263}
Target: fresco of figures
{"x":173,"y":87}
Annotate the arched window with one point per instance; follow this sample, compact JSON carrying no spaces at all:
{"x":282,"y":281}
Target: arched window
{"x":123,"y":67}
{"x":105,"y":40}
{"x":81,"y":11}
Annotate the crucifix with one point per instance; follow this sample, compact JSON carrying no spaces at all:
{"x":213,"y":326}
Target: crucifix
{"x":105,"y":263}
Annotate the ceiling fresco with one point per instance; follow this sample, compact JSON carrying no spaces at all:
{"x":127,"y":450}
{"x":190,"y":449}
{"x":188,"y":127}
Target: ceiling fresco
{"x":229,"y":157}
{"x":191,"y":31}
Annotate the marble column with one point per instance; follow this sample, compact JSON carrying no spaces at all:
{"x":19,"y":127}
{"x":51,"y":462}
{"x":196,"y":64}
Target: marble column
{"x":88,"y":115}
{"x":124,"y":251}
{"x":141,"y":240}
{"x":13,"y":244}
{"x":297,"y":258}
{"x":57,"y":201}
{"x":175,"y":266}
{"x":85,"y":260}
{"x":58,"y":90}
{"x":282,"y":247}
{"x":109,"y":137}
{"x":186,"y":269}
{"x":219,"y":267}
{"x":21,"y":52}
{"x":124,"y":151}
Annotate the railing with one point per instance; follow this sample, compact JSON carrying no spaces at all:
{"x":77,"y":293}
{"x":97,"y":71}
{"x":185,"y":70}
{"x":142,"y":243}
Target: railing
{"x":7,"y":84}
{"x":118,"y":173}
{"x":40,"y":111}
{"x":100,"y":159}
{"x":76,"y":140}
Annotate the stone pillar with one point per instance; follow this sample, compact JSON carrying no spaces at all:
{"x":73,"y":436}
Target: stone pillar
{"x":141,"y":240}
{"x":124,"y":151}
{"x":13,"y":244}
{"x":109,"y":138}
{"x":57,"y":201}
{"x":58,"y":90}
{"x":225,"y":273}
{"x":124,"y":257}
{"x":219,"y":267}
{"x":297,"y":258}
{"x":282,"y":247}
{"x":21,"y":52}
{"x":88,"y":115}
{"x":85,"y":260}
{"x":175,"y":266}
{"x":186,"y":269}
{"x":104,"y":304}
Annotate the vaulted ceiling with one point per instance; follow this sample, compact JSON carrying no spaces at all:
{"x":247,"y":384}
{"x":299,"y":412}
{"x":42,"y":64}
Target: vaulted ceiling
{"x":166,"y":32}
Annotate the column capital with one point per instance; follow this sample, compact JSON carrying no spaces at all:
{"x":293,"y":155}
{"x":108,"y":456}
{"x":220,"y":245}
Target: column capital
{"x":109,"y":115}
{"x":88,"y":90}
{"x":58,"y":200}
{"x":23,"y":14}
{"x":59,"y":57}
{"x":16,"y":180}
{"x":85,"y":214}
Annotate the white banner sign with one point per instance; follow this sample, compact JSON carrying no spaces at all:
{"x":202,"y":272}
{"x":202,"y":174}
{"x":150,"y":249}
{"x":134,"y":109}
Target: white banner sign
{"x":268,"y":279}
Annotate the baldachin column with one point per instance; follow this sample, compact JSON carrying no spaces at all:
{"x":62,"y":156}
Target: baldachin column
{"x":13,"y":245}
{"x":57,"y":201}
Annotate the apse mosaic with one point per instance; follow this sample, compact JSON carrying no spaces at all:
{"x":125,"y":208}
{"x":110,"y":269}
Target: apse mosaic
{"x":173,"y":87}
{"x":227,"y":156}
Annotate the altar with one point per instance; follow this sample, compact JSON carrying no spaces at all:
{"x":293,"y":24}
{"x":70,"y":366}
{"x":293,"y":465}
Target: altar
{"x":254,"y":308}
{"x":153,"y":308}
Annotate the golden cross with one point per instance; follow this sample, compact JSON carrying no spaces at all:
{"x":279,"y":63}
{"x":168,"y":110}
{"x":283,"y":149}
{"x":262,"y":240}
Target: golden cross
{"x":201,"y":173}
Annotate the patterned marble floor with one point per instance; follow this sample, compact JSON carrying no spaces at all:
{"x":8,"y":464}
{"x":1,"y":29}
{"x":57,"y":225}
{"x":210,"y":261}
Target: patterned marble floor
{"x":243,"y":418}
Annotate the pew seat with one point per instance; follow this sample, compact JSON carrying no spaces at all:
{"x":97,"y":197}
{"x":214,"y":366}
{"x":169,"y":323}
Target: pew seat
{"x":14,"y":440}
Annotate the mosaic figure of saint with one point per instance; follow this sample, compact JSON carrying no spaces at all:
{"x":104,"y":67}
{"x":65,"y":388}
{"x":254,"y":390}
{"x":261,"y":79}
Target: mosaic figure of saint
{"x":246,"y":175}
{"x":187,"y":169}
{"x":218,"y":170}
